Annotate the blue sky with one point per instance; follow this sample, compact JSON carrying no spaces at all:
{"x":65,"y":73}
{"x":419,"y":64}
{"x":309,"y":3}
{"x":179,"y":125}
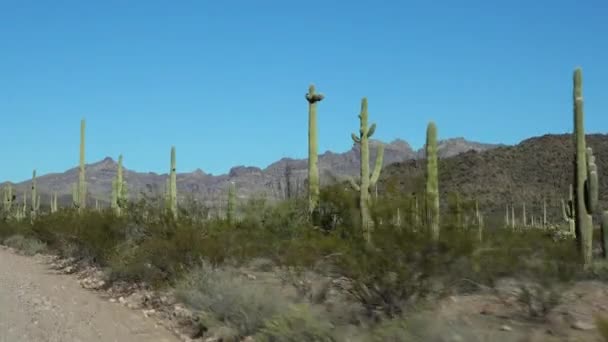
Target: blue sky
{"x":224,"y":81}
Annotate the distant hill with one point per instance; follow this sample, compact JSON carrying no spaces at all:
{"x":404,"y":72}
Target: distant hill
{"x":249,"y":179}
{"x":536,"y":168}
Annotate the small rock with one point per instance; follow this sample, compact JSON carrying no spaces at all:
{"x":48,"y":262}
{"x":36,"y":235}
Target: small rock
{"x":112,"y":300}
{"x":148,"y":313}
{"x":251,"y":277}
{"x":122,"y":300}
{"x":580,"y":325}
{"x":506,"y":328}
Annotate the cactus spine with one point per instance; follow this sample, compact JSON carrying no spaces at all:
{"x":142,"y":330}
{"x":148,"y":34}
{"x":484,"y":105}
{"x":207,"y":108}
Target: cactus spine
{"x":432,"y":181}
{"x":585,"y":177}
{"x":79,"y":190}
{"x":313,"y":167}
{"x":367,"y":182}
{"x":119,"y":190}
{"x":231,"y":209}
{"x":172,"y":182}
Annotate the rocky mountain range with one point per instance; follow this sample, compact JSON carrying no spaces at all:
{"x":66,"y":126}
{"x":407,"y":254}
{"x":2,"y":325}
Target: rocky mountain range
{"x":536,"y":170}
{"x":283,"y":178}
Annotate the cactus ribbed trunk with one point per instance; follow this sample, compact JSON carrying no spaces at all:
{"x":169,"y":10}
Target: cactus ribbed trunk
{"x":119,"y":191}
{"x":54,"y":202}
{"x":432,"y":181}
{"x":585,"y":177}
{"x":173,"y":185}
{"x":82,"y":200}
{"x":35,"y":198}
{"x":512,"y":216}
{"x":231,"y":209}
{"x":313,"y":167}
{"x":367,"y":181}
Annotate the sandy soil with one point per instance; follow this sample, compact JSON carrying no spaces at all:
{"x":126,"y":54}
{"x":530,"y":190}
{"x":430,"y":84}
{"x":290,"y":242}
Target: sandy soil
{"x":37,"y":304}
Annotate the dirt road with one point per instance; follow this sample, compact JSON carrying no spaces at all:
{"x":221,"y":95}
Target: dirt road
{"x":38,"y":305}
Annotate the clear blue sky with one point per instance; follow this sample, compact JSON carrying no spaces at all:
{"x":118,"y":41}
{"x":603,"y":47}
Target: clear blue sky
{"x":224,"y":81}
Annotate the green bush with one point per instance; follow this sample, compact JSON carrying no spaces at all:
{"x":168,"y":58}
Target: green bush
{"x":297,"y":324}
{"x":229,"y":298}
{"x":26,"y":245}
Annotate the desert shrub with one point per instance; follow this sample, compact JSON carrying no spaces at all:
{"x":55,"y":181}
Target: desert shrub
{"x":400,"y":266}
{"x":26,"y":245}
{"x":602,"y":326}
{"x":423,"y":327}
{"x":297,"y":324}
{"x":539,"y":299}
{"x":159,"y":257}
{"x":225,"y":294}
{"x":93,"y":233}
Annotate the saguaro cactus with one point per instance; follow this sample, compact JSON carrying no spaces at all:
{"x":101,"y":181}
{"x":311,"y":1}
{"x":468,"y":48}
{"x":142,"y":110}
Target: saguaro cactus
{"x":367,"y":181}
{"x":79,"y":191}
{"x":54,"y":202}
{"x":585,"y":177}
{"x":119,"y":190}
{"x":35,"y":205}
{"x":568,"y":212}
{"x":8,"y":198}
{"x":432,"y":180}
{"x":172,"y":194}
{"x":231,"y":209}
{"x":313,"y":167}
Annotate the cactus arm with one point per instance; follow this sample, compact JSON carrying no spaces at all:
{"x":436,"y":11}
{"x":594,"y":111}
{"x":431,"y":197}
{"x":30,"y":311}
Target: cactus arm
{"x":356,"y":139}
{"x":378,"y":165}
{"x":353,"y":184}
{"x":565,"y":211}
{"x":371,"y":130}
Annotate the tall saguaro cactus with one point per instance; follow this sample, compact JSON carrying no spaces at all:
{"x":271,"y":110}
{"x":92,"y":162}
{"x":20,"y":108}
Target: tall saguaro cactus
{"x":54,"y":202}
{"x":313,"y":167}
{"x":568,"y":212}
{"x":8,"y":198}
{"x":367,"y":181}
{"x":119,"y":190}
{"x":432,"y":180}
{"x":585,"y":177}
{"x":231,"y":209}
{"x":35,"y":197}
{"x":172,"y":191}
{"x":80,"y":190}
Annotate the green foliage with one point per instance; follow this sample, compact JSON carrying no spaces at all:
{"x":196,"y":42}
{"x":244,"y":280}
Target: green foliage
{"x":226,"y":295}
{"x":297,"y":324}
{"x":26,"y":245}
{"x":602,"y":326}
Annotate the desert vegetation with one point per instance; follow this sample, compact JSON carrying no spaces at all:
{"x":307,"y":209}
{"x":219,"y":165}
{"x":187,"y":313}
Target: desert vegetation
{"x":344,"y":262}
